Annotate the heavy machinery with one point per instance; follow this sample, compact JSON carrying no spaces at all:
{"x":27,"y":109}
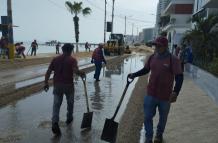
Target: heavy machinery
{"x":115,"y":45}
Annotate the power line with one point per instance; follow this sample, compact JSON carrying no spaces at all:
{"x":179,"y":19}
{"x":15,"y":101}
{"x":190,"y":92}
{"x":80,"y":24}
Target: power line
{"x":57,"y":5}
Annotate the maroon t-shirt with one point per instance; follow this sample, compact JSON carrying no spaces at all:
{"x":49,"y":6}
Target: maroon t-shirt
{"x":162,"y":75}
{"x":63,"y":67}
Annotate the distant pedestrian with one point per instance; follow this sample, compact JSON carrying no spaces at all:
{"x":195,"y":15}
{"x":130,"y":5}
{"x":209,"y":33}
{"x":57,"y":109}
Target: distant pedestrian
{"x":4,"y":47}
{"x":164,"y":68}
{"x":98,"y":59}
{"x":20,"y":49}
{"x":34,"y":46}
{"x":64,"y":67}
{"x":87,"y":47}
{"x":58,"y":47}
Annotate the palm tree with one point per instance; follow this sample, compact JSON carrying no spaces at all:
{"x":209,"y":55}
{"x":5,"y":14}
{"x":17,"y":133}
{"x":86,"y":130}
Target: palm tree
{"x":75,"y":9}
{"x":202,"y":39}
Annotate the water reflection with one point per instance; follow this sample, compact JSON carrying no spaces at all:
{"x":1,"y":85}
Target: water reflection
{"x":96,"y":98}
{"x":30,"y":117}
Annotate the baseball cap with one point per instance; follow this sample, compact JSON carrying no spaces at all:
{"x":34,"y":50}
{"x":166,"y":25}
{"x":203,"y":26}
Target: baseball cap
{"x":161,"y":41}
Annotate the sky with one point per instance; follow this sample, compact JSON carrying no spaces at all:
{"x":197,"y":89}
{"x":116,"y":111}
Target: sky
{"x":46,"y":20}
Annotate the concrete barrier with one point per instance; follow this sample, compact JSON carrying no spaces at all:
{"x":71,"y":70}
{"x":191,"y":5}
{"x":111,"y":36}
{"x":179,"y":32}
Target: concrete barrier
{"x":204,"y":79}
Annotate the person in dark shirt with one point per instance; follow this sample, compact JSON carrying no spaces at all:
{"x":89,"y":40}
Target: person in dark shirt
{"x":58,"y":47}
{"x":34,"y":46}
{"x":87,"y":46}
{"x":98,"y":59}
{"x":164,"y":68}
{"x":20,"y":49}
{"x":64,"y":67}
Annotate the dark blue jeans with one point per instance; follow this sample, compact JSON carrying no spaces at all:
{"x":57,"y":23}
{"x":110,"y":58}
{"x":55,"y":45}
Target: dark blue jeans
{"x":98,"y":66}
{"x":150,"y":105}
{"x":59,"y":91}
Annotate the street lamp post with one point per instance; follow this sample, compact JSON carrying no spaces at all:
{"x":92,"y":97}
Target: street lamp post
{"x":10,"y":22}
{"x":10,"y":31}
{"x":105,"y":16}
{"x":112,"y":27}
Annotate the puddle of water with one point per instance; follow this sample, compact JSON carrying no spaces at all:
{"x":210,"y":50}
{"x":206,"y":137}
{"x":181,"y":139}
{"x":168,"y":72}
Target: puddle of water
{"x":31,"y":116}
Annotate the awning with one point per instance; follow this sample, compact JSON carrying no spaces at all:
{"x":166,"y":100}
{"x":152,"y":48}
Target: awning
{"x":211,"y":4}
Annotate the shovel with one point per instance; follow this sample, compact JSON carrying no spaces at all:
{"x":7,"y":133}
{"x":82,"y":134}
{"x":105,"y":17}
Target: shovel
{"x":87,"y":117}
{"x":109,"y":133}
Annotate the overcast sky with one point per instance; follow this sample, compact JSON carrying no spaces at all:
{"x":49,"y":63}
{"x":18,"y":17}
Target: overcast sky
{"x":49,"y":19}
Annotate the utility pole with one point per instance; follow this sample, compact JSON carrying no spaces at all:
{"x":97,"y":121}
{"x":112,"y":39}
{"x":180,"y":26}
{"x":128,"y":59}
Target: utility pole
{"x":112,"y":27}
{"x":125,"y":26}
{"x":132,"y":32}
{"x":10,"y":22}
{"x":10,"y":30}
{"x":137,"y":34}
{"x":105,"y":16}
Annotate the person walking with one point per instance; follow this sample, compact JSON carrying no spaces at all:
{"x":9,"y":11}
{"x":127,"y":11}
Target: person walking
{"x":164,"y":68}
{"x":64,"y":67}
{"x":58,"y":47}
{"x":20,"y":49}
{"x":34,"y":46}
{"x":4,"y":47}
{"x":98,"y":59}
{"x":87,"y":47}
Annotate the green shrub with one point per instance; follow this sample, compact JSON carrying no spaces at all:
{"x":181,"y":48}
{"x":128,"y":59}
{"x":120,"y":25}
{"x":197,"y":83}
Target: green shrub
{"x":213,"y":67}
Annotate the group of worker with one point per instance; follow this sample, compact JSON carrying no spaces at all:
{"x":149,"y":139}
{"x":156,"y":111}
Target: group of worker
{"x":165,"y":82}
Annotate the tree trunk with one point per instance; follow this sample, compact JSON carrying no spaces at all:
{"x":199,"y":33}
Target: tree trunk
{"x":76,"y":26}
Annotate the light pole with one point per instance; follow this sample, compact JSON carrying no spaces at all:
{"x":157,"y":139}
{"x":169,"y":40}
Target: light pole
{"x":112,"y":27}
{"x":10,"y":23}
{"x":10,"y":31}
{"x":105,"y":16}
{"x":132,"y":32}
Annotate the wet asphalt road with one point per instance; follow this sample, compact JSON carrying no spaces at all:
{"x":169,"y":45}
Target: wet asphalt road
{"x":28,"y":120}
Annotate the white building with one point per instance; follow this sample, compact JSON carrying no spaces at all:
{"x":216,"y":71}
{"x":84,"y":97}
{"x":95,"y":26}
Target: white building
{"x":176,"y":20}
{"x":162,"y":4}
{"x":204,"y":8}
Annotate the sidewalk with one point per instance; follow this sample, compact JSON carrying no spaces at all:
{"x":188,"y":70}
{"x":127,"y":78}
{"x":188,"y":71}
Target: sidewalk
{"x":194,"y":118}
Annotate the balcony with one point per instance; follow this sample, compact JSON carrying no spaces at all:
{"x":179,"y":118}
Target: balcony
{"x":211,"y":4}
{"x":175,"y":21}
{"x":179,"y":7}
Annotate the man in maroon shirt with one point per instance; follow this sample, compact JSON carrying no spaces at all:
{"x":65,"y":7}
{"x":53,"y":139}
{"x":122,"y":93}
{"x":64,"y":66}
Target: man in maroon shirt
{"x":98,"y":59}
{"x":164,"y":68}
{"x":64,"y":67}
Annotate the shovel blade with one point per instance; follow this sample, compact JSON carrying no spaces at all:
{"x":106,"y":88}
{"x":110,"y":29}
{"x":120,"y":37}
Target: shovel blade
{"x":109,"y":133}
{"x":87,"y":120}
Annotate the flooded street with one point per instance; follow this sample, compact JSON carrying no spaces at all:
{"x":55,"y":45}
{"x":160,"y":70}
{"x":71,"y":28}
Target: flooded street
{"x":29,"y":120}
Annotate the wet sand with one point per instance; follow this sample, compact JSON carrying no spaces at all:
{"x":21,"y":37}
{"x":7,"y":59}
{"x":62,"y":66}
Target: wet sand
{"x":6,"y":64}
{"x":132,"y":119}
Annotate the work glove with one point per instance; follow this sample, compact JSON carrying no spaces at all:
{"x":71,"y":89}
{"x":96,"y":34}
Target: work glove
{"x":173,"y":97}
{"x":46,"y":87}
{"x":131,"y":76}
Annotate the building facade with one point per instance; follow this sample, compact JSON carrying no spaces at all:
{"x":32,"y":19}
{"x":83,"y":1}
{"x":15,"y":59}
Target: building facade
{"x":162,"y":4}
{"x":175,"y":20}
{"x":149,"y":34}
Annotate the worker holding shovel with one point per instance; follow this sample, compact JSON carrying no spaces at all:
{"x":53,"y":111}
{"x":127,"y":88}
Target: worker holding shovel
{"x":64,"y":67}
{"x":164,"y":68}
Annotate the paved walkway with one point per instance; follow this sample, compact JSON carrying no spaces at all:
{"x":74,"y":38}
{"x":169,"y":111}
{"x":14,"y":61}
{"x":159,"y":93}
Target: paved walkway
{"x":194,"y":118}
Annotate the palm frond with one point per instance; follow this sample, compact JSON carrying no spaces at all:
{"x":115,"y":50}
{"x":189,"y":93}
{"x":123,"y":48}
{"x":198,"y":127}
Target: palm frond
{"x":69,"y":6}
{"x":86,"y":11}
